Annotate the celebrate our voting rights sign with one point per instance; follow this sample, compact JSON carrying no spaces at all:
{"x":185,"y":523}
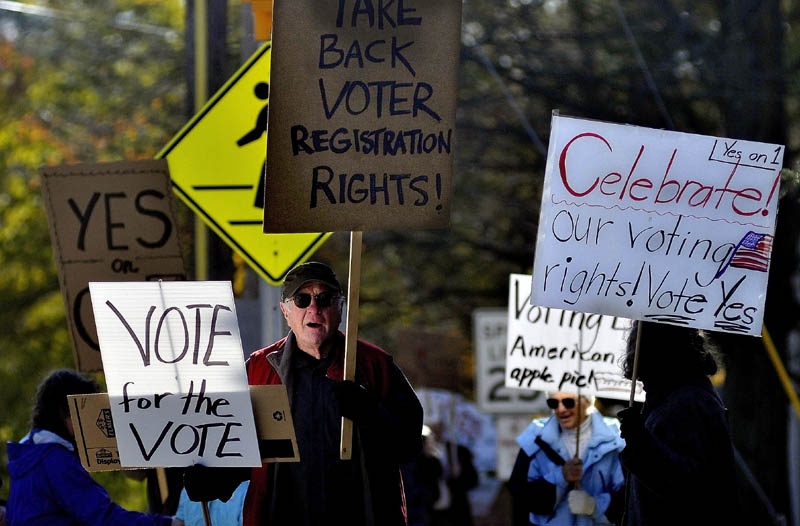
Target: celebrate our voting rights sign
{"x":362,"y":115}
{"x":551,"y":349}
{"x":657,"y":225}
{"x":175,"y":372}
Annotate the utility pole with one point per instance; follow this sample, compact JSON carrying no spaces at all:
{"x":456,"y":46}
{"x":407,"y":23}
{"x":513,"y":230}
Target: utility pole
{"x":206,"y":72}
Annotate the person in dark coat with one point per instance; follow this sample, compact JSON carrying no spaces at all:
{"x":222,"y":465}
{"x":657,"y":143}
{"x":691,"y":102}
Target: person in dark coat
{"x":421,"y":482}
{"x":321,"y":488}
{"x":678,"y":458}
{"x":458,"y":476}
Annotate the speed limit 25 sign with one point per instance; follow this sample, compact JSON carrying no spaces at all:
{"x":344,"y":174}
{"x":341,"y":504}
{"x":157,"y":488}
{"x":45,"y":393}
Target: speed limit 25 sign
{"x":489,"y":340}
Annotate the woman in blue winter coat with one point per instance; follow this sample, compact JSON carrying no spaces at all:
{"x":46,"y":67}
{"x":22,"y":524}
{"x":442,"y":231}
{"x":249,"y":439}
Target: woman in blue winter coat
{"x":568,"y":468}
{"x":49,"y":486}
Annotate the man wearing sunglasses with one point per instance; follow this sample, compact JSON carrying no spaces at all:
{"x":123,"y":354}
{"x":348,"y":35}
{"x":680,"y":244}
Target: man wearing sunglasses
{"x":568,"y":467}
{"x":387,"y":416}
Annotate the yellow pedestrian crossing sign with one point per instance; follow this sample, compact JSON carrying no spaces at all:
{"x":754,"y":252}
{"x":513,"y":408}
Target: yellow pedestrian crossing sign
{"x":217,"y":167}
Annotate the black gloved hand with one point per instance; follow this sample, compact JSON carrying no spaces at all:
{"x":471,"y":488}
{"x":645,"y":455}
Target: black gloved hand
{"x":355,"y":402}
{"x":631,"y":423}
{"x":204,"y":484}
{"x":539,"y":496}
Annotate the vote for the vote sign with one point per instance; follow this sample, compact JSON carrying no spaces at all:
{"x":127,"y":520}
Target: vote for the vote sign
{"x":657,"y":225}
{"x":174,"y":368}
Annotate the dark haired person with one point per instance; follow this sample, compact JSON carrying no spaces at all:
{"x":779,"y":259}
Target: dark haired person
{"x":568,"y":468}
{"x":321,"y":489}
{"x":678,"y":456}
{"x":49,"y":486}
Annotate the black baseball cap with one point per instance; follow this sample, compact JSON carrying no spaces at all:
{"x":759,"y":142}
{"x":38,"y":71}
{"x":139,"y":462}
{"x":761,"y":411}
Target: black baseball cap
{"x":306,"y":273}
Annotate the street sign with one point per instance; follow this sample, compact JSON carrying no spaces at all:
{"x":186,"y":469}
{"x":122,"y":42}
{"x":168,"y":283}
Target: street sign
{"x":217,"y":165}
{"x":489,"y":329}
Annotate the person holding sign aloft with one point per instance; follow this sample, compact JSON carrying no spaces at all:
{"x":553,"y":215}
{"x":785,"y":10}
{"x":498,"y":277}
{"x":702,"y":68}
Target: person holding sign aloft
{"x":678,"y":456}
{"x":322,"y":488}
{"x":49,"y":486}
{"x":568,"y":468}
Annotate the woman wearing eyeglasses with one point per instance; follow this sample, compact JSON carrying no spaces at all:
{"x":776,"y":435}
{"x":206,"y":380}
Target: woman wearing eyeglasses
{"x":571,"y":462}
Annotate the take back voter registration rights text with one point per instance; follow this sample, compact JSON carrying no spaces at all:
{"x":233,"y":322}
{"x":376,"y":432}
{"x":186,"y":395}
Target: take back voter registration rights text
{"x":376,"y":99}
{"x":363,"y":122}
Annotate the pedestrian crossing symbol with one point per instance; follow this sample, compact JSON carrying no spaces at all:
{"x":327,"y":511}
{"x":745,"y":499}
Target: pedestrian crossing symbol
{"x":217,"y":163}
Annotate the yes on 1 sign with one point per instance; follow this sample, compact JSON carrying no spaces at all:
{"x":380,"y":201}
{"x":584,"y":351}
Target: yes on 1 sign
{"x":175,"y":372}
{"x":489,"y":327}
{"x":108,"y":222}
{"x":553,"y":350}
{"x":657,"y":225}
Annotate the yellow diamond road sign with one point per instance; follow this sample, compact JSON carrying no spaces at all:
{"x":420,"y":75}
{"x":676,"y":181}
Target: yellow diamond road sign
{"x":217,"y":167}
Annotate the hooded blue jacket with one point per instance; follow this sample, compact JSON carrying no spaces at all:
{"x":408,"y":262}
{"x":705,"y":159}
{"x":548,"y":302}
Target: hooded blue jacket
{"x":50,"y":487}
{"x":602,"y":471}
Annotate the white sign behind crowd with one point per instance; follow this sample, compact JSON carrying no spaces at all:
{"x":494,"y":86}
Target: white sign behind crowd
{"x":557,"y":350}
{"x":657,"y":225}
{"x":174,"y":367}
{"x":461,"y":422}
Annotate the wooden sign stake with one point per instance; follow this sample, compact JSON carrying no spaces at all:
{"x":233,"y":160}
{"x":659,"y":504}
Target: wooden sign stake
{"x":163,"y":488}
{"x":353,"y":286}
{"x":635,"y":373}
{"x":581,"y":409}
{"x":206,"y":513}
{"x":580,"y":406}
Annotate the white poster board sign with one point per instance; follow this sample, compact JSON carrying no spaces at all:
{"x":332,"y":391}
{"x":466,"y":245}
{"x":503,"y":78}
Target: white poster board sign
{"x":508,"y":428}
{"x":657,"y":225}
{"x":489,"y":338}
{"x":558,"y":350}
{"x":461,"y":423}
{"x":175,"y":373}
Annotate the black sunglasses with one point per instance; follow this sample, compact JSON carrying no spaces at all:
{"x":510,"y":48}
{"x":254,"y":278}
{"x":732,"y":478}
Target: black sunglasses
{"x":324,"y":299}
{"x":569,"y":403}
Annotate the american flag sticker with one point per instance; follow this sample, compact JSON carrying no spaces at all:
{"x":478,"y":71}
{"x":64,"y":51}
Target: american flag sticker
{"x":752,"y":253}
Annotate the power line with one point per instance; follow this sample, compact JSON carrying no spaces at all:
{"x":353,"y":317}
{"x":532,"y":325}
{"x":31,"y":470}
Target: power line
{"x":651,"y":84}
{"x":511,"y":101}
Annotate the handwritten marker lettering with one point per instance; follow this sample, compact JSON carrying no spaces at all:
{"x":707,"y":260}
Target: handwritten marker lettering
{"x":144,"y":343}
{"x":657,"y":225}
{"x":364,"y":132}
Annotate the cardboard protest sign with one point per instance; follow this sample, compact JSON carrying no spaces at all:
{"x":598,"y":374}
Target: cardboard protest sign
{"x":110,"y":221}
{"x":95,"y":435}
{"x":657,"y":225}
{"x":174,"y":368}
{"x":489,"y":340}
{"x":362,"y":115}
{"x":96,"y":441}
{"x":554,"y":350}
{"x":276,"y":439}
